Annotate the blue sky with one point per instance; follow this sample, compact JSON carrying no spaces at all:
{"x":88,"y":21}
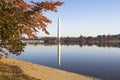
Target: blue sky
{"x":85,"y":17}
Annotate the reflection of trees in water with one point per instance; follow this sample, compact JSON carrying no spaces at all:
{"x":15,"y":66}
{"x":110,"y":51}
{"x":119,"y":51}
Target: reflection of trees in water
{"x":15,"y":47}
{"x":109,"y":44}
{"x":104,"y":44}
{"x":101,"y":44}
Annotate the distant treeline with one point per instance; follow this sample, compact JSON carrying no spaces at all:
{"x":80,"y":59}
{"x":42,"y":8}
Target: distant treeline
{"x":100,"y":41}
{"x":81,"y":39}
{"x":106,"y":44}
{"x":90,"y":39}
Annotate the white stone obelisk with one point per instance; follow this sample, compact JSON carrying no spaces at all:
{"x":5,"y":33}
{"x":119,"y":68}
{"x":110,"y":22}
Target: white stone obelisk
{"x":58,"y":31}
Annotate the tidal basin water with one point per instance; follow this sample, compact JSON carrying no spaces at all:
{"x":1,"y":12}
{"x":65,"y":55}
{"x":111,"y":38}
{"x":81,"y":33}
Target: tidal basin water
{"x":100,"y":62}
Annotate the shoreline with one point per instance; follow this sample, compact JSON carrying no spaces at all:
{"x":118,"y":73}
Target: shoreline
{"x":44,"y":72}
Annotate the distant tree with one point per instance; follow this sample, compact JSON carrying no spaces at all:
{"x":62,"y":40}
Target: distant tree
{"x":82,"y":39}
{"x":90,"y":38}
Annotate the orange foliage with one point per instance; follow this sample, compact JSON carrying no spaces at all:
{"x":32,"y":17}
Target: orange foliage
{"x":32,"y":16}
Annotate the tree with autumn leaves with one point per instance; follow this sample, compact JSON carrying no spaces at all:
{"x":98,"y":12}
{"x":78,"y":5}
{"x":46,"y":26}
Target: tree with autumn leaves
{"x":18,"y":17}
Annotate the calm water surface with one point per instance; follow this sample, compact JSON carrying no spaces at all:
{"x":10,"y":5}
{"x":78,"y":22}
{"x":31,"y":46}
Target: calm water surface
{"x":100,"y":62}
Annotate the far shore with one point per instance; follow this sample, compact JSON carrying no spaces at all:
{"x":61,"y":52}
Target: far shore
{"x":43,"y":72}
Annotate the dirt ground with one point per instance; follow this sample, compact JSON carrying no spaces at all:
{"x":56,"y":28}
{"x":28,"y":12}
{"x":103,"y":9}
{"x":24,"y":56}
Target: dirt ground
{"x":43,"y":72}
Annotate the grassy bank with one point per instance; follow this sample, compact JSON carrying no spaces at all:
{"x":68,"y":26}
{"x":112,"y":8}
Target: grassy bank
{"x":9,"y":72}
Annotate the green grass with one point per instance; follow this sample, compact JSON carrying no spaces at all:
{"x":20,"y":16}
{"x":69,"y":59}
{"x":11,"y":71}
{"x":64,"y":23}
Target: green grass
{"x":9,"y":72}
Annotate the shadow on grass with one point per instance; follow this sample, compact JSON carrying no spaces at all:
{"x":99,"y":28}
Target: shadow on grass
{"x":10,"y":72}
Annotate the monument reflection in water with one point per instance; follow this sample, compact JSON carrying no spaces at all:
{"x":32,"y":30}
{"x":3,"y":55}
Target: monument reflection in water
{"x":59,"y":53}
